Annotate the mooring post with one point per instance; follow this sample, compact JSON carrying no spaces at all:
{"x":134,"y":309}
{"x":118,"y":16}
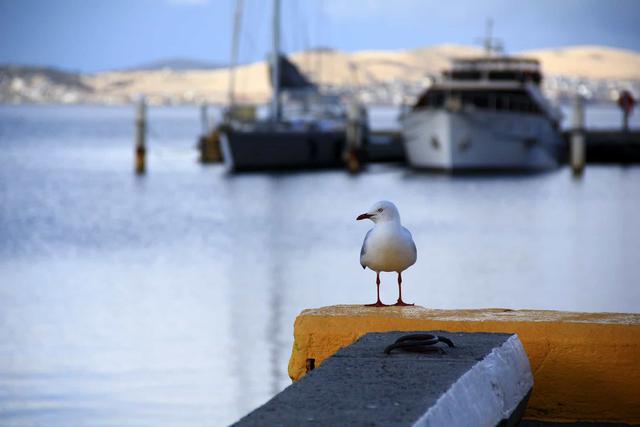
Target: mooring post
{"x":141,"y":133}
{"x":209,"y":141}
{"x":626,"y":102}
{"x":625,"y":120}
{"x":577,"y":143}
{"x":204,"y":118}
{"x":355,"y":134}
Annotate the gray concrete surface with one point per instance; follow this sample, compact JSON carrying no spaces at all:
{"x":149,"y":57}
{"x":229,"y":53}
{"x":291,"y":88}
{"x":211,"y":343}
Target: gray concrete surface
{"x":362,"y":386}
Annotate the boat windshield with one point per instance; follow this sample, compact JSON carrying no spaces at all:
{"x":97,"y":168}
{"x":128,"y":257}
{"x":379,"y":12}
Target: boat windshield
{"x":501,"y":100}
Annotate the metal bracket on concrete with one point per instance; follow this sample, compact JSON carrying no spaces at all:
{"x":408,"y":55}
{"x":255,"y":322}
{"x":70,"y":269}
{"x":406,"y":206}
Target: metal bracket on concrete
{"x":485,"y":380}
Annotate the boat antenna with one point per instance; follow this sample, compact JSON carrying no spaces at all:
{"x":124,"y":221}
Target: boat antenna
{"x":275,"y":64}
{"x":237,"y":22}
{"x":491,"y":44}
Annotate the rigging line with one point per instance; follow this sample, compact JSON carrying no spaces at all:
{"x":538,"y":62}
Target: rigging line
{"x":247,"y":42}
{"x":298,"y":25}
{"x":303,"y":25}
{"x":306,"y":28}
{"x":286,"y":31}
{"x":293,"y":29}
{"x":246,"y":47}
{"x":235,"y":43}
{"x":319,"y":33}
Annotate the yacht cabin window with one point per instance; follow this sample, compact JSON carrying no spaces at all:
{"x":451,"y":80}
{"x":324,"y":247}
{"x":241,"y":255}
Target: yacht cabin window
{"x":504,"y":100}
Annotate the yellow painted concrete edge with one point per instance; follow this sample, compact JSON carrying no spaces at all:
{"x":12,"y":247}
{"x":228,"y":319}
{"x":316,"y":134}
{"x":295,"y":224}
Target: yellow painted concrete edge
{"x":586,"y":366}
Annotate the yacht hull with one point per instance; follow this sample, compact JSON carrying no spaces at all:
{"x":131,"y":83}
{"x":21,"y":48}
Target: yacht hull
{"x":282,"y":149}
{"x":476,"y":140}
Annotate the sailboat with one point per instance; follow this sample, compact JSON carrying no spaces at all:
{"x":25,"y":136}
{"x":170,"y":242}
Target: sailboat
{"x":305,"y":129}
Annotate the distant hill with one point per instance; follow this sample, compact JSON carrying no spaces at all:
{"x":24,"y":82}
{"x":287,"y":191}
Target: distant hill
{"x":27,"y":84}
{"x":176,"y":64}
{"x":53,"y":75}
{"x":596,"y":62}
{"x":375,"y":76}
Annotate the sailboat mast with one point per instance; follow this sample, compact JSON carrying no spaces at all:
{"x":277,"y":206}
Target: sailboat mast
{"x":275,"y":64}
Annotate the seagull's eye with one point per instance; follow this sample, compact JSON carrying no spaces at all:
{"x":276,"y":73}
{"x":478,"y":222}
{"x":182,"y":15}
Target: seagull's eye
{"x":380,"y":210}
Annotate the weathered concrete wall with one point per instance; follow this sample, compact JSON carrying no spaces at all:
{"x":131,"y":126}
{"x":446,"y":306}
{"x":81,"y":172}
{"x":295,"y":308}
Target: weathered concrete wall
{"x":586,"y":366}
{"x":484,"y":380}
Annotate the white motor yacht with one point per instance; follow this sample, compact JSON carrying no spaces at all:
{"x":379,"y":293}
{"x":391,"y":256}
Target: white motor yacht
{"x":485,"y":113}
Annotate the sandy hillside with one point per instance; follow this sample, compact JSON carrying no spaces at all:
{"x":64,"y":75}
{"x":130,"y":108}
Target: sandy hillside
{"x":365,"y":68}
{"x":595,"y":62}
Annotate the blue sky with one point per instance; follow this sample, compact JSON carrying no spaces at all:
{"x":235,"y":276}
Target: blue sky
{"x":94,"y":35}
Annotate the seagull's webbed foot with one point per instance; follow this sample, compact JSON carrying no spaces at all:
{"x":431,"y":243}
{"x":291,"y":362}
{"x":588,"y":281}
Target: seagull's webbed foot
{"x":401,"y":303}
{"x":377,"y":304}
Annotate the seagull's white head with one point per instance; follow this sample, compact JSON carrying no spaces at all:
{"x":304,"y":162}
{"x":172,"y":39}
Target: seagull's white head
{"x":382,"y":211}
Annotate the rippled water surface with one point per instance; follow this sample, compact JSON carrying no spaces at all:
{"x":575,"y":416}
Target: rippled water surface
{"x":169,"y":300}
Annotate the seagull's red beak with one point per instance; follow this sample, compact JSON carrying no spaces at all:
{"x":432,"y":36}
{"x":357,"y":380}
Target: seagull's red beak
{"x":364,"y":216}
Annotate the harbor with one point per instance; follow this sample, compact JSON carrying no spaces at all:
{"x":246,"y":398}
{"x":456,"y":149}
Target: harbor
{"x":156,"y":282}
{"x":291,"y":212}
{"x":602,"y":145}
{"x":486,"y":113}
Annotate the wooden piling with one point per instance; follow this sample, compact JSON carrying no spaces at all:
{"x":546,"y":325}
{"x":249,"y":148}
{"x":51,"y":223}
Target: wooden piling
{"x":204,"y":118}
{"x":209,"y":146}
{"x":209,"y":141}
{"x":626,"y":102}
{"x":625,"y":120}
{"x":577,"y":142}
{"x":141,"y":132}
{"x":355,"y":135}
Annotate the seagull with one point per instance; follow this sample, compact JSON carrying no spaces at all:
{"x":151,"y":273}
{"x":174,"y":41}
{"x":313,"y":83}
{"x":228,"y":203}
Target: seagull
{"x":388,"y":246}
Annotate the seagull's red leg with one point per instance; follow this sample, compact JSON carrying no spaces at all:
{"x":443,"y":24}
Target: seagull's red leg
{"x":400,"y":302}
{"x":377,"y":303}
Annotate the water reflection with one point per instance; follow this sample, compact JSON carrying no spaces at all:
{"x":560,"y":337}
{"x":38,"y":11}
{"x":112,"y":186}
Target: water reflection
{"x":277,"y":209}
{"x":258,"y":287}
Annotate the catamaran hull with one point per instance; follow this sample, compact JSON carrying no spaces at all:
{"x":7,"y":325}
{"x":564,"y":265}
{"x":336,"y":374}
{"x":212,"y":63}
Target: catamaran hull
{"x":476,"y":140}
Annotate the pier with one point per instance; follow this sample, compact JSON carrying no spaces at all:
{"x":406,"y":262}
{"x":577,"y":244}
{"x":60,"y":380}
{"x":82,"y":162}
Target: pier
{"x":586,"y":366}
{"x":611,"y":146}
{"x":484,"y":379}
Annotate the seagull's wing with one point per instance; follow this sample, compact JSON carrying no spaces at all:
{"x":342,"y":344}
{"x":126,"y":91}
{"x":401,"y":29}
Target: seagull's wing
{"x":413,"y":244}
{"x":363,"y":251}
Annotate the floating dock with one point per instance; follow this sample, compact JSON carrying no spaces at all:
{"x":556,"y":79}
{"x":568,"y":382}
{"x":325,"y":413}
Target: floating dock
{"x":602,"y":146}
{"x":611,"y":146}
{"x":384,"y":146}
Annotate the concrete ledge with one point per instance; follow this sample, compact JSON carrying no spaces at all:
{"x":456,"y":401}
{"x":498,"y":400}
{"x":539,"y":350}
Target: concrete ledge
{"x":485,"y":380}
{"x":586,"y":366}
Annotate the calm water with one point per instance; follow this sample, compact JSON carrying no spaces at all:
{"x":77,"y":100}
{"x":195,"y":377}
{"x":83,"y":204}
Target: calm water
{"x":169,"y":300}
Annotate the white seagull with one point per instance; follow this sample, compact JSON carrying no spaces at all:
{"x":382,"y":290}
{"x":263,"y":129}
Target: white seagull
{"x":388,"y":246}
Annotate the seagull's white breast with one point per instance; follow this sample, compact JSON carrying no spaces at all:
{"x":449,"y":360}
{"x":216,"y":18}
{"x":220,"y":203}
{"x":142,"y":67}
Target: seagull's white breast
{"x":389,"y":247}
